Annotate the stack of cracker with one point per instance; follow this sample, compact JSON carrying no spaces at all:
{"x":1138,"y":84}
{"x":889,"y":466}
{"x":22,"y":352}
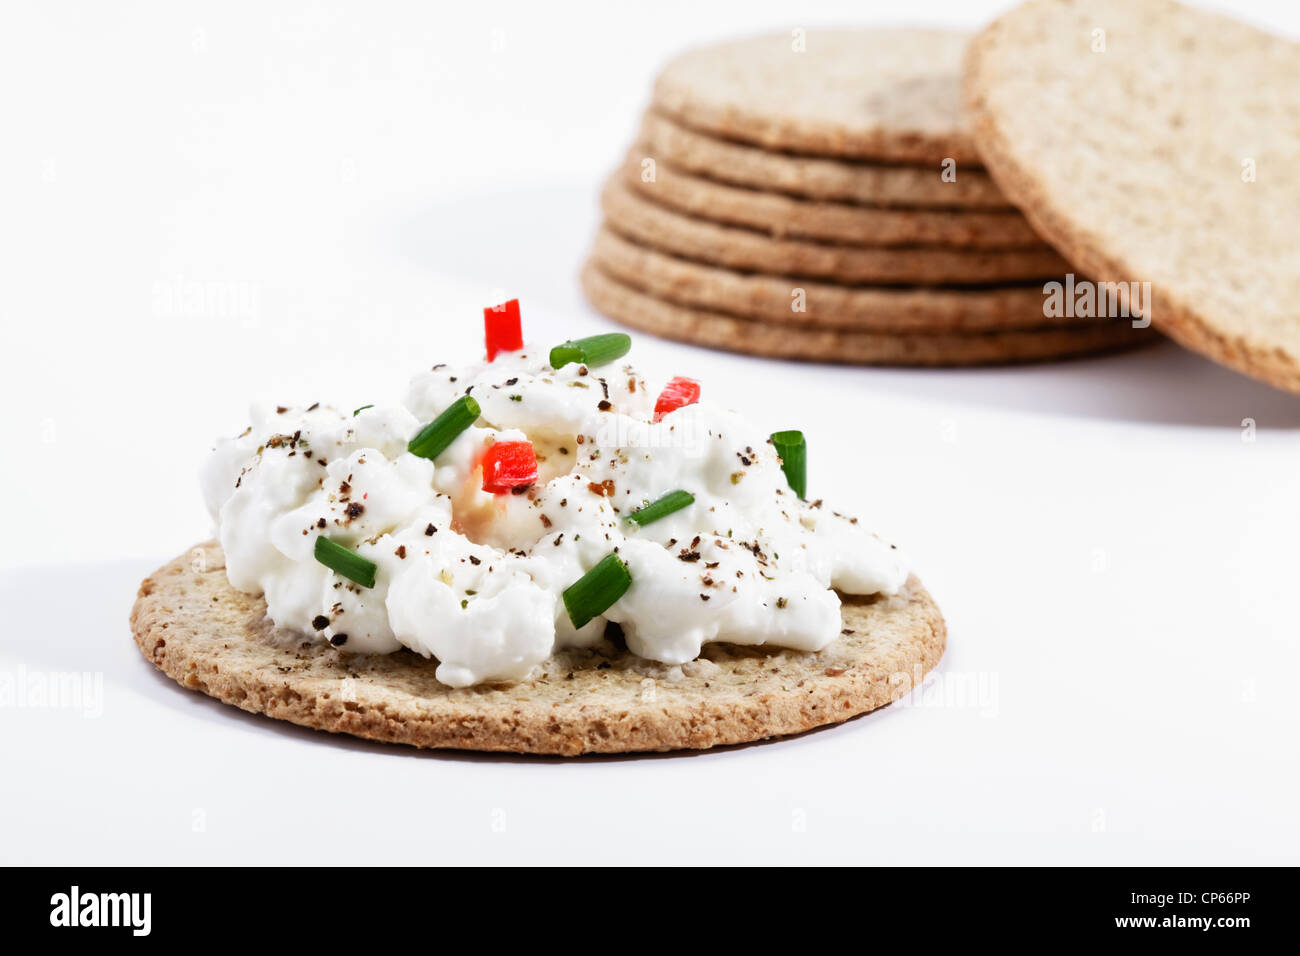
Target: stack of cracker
{"x":816,"y":196}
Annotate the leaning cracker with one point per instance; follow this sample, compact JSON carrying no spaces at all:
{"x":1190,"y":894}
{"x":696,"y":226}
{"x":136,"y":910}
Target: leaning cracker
{"x":1169,"y":158}
{"x":803,"y":302}
{"x":647,"y":222}
{"x":640,"y":311}
{"x":890,"y":94}
{"x":778,"y":215}
{"x":814,"y":177}
{"x":207,"y":636}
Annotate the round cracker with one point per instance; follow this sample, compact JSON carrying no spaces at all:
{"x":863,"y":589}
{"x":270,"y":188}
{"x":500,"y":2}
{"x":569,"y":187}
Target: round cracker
{"x":716,"y":330}
{"x":778,"y":215}
{"x":1139,"y":176}
{"x":209,"y":637}
{"x":890,"y":94}
{"x":824,"y":304}
{"x":819,"y":178}
{"x":654,"y":225}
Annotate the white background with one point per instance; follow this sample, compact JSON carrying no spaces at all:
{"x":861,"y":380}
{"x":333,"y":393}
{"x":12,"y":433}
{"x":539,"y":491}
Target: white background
{"x":1117,"y":565}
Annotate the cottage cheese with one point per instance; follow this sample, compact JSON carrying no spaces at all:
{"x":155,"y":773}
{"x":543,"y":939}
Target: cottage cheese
{"x":475,"y":579}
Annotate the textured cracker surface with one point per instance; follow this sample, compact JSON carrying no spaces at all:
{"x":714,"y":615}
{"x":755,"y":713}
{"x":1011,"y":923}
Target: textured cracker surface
{"x":209,"y":637}
{"x":889,"y":94}
{"x":826,"y":305}
{"x":1138,"y":174}
{"x":625,"y":304}
{"x":873,"y":183}
{"x":649,"y":223}
{"x":779,"y":215}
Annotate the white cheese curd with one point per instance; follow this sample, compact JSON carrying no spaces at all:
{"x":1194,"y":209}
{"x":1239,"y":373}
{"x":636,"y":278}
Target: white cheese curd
{"x":475,"y":579}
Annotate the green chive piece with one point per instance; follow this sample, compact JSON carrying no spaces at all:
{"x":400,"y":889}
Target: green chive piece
{"x":346,"y":562}
{"x":662,"y":507}
{"x":592,"y":594}
{"x":792,"y":448}
{"x":361,"y":409}
{"x":432,"y":440}
{"x":592,"y":351}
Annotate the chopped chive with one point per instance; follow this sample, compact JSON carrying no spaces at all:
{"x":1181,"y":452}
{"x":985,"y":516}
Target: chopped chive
{"x":432,"y":440}
{"x":662,"y":507}
{"x":361,"y":409}
{"x":346,"y":562}
{"x":593,"y":593}
{"x":792,"y":448}
{"x":591,"y":351}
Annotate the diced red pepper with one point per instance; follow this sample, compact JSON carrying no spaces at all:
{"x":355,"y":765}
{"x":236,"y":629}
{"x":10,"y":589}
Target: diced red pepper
{"x":501,"y":328}
{"x":680,"y":391}
{"x":508,"y":465}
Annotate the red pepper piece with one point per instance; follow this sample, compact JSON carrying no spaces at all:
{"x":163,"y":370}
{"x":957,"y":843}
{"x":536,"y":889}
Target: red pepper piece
{"x":501,"y":328}
{"x":680,"y":391}
{"x":508,"y":465}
